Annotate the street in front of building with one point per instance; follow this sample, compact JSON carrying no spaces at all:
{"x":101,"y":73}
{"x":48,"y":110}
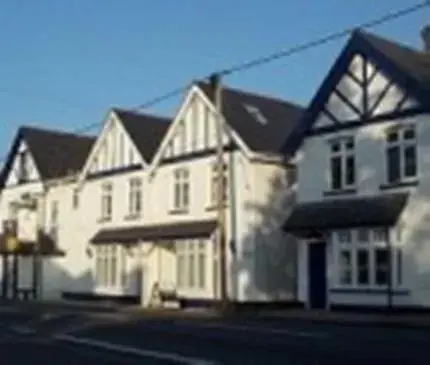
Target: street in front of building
{"x":107,"y":338}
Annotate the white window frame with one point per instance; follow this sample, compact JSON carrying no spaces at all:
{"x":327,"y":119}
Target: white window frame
{"x":371,"y":245}
{"x":402,"y":143}
{"x":110,"y":266}
{"x":181,"y":189}
{"x":135,"y":197}
{"x":192,"y":264}
{"x":344,"y":153}
{"x":214,"y":183}
{"x":106,"y":202}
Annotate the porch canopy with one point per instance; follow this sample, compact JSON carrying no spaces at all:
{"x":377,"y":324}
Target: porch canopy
{"x":193,"y":229}
{"x":370,"y":211}
{"x":45,"y":245}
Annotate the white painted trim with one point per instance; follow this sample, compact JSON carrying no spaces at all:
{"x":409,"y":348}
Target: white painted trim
{"x":193,"y":92}
{"x":110,"y":118}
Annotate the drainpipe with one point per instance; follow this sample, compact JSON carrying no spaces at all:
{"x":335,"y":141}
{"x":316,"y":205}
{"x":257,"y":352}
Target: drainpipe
{"x":233,"y":221}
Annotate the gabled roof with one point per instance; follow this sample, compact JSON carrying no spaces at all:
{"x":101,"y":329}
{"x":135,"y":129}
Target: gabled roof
{"x":55,"y":153}
{"x":409,"y":68}
{"x":145,"y":130}
{"x":415,"y":63}
{"x":278,"y":117}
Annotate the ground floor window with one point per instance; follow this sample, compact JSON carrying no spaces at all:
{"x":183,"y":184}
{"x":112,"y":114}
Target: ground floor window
{"x":191,"y":256}
{"x":365,"y":258}
{"x":110,"y":265}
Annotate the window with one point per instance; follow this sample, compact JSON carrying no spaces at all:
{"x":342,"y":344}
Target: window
{"x":181,"y":198}
{"x":110,"y":266}
{"x":23,"y":167}
{"x":342,"y":163}
{"x":182,"y":137}
{"x":364,"y":258}
{"x":135,"y":197}
{"x":201,"y":264}
{"x":206,"y":130}
{"x":191,"y":264}
{"x":75,"y":199}
{"x":401,"y":154}
{"x":121,"y":149}
{"x":106,"y":203}
{"x":54,"y":219}
{"x":214,"y":183}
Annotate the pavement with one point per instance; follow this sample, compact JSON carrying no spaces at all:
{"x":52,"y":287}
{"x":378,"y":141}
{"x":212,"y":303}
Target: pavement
{"x":82,"y":335}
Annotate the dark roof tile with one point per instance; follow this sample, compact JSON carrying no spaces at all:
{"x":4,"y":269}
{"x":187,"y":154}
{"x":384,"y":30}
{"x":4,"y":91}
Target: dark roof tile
{"x":145,"y":130}
{"x":266,"y":134}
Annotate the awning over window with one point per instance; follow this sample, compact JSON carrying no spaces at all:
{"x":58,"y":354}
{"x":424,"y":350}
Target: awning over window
{"x":195,"y":229}
{"x":381,"y":210}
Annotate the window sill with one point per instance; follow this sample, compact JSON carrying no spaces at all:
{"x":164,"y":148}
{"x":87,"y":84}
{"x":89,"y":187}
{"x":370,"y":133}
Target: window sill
{"x":400,"y":184}
{"x":340,"y":192}
{"x":104,"y":220}
{"x":179,"y":211}
{"x":373,"y":290}
{"x":132,"y":217}
{"x":213,"y":207}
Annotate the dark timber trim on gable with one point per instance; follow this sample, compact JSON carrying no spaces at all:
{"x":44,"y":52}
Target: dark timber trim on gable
{"x":358,"y":45}
{"x":197,"y":154}
{"x":114,"y":172}
{"x":388,"y":117}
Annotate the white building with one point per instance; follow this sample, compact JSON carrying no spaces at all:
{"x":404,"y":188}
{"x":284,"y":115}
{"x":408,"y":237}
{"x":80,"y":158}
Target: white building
{"x":364,"y":180}
{"x":37,"y":160}
{"x":182,"y":257}
{"x":133,"y":212}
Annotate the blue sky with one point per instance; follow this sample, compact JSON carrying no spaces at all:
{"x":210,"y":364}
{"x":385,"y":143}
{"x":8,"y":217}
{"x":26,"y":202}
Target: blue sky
{"x":64,"y":63}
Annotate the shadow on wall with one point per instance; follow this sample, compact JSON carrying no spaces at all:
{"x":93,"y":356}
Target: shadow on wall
{"x":268,"y":261}
{"x":57,"y":280}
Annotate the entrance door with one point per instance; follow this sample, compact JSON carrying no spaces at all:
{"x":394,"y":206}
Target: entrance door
{"x":317,"y":282}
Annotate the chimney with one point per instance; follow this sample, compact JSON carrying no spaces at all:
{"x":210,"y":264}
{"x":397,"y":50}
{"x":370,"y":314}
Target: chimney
{"x":425,"y":35}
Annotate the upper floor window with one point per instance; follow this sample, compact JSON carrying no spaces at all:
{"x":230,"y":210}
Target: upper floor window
{"x":342,"y":163}
{"x":181,"y":190}
{"x":106,"y":203}
{"x":23,"y":167}
{"x":135,"y":197}
{"x":214,"y":183}
{"x":401,"y":154}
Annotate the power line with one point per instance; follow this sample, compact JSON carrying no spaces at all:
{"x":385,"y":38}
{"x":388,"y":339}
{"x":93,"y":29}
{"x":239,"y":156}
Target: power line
{"x":318,"y":42}
{"x":274,"y":56}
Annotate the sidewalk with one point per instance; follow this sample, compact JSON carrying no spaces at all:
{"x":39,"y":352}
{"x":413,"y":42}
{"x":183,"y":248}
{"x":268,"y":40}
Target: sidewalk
{"x":388,"y":320}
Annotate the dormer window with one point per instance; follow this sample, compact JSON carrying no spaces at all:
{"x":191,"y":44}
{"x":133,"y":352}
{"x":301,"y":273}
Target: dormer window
{"x":23,"y":173}
{"x":401,"y":154}
{"x":342,"y":163}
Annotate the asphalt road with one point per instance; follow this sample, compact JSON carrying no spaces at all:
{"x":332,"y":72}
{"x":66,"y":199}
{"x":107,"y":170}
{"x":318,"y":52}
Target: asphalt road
{"x":79,"y":337}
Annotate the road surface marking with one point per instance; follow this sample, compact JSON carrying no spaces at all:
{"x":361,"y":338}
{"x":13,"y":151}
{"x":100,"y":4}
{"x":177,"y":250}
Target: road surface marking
{"x":266,"y":330}
{"x":135,"y":351}
{"x":22,"y":330}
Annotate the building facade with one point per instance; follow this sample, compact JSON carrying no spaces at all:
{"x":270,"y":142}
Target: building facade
{"x":362,"y":212}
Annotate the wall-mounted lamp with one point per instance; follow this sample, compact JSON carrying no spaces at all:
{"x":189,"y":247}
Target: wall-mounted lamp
{"x":89,"y":252}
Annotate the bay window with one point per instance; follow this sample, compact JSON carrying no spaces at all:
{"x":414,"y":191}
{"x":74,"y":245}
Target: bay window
{"x":110,"y":266}
{"x":191,"y":258}
{"x":363,"y":258}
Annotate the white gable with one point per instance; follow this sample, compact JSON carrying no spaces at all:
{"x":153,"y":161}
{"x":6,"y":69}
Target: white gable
{"x":194,"y":130}
{"x":113,"y":150}
{"x":353,"y":96}
{"x":27,"y":164}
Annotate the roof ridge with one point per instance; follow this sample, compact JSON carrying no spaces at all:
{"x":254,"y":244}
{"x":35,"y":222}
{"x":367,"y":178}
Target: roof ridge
{"x":391,"y":41}
{"x":141,"y":114}
{"x":53,"y":131}
{"x":258,"y":95}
